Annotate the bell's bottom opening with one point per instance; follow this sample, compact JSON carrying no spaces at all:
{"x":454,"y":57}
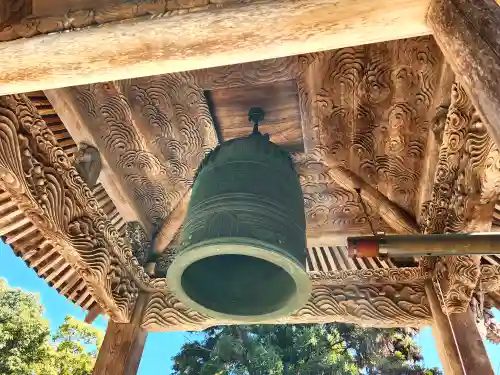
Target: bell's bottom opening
{"x":238,"y":285}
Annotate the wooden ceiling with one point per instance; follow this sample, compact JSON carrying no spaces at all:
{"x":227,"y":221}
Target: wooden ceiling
{"x":370,"y":108}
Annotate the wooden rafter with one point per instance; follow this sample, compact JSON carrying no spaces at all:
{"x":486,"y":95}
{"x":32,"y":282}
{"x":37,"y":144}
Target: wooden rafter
{"x":207,"y":38}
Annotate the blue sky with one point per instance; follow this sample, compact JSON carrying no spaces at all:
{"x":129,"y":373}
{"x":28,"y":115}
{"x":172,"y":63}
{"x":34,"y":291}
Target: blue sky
{"x":162,"y":346}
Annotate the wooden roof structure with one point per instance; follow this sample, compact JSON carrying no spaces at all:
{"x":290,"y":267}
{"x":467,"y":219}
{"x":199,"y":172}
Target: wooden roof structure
{"x":109,"y":108}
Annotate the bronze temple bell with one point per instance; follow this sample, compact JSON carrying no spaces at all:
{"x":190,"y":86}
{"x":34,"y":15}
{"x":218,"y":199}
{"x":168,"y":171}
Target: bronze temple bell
{"x":242,"y":255}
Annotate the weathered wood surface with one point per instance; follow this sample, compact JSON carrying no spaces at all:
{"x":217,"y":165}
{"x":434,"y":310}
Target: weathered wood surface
{"x":468,"y":32}
{"x":464,"y":192}
{"x":282,"y":119}
{"x":375,"y":128}
{"x":45,"y":8}
{"x":157,"y":131}
{"x":121,"y":350}
{"x":214,"y":37}
{"x":461,"y":349}
{"x":40,"y":180}
{"x":13,"y":11}
{"x":382,"y":305}
{"x":67,"y":111}
{"x":171,"y":226}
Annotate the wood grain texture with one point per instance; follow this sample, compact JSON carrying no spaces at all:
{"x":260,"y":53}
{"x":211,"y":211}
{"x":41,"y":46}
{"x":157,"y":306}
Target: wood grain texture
{"x":464,"y":192}
{"x":121,"y":350}
{"x":41,"y":180}
{"x":468,"y":33}
{"x":74,"y":124}
{"x":157,"y":131}
{"x":374,"y":128}
{"x":170,"y":227}
{"x":462,"y":347}
{"x":392,"y":305}
{"x":60,"y":7}
{"x":209,"y":38}
{"x":371,"y":109}
{"x":280,"y":102}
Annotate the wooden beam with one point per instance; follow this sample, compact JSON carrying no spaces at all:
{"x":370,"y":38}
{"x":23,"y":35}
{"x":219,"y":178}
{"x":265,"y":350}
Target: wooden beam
{"x":93,"y":313}
{"x":468,"y":33}
{"x":172,"y":225}
{"x":123,"y":344}
{"x":75,"y":123}
{"x":235,"y":33}
{"x":393,"y":215}
{"x":461,"y":348}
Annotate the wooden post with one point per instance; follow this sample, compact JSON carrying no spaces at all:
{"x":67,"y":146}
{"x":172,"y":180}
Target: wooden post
{"x":121,"y":351}
{"x":459,"y":344}
{"x":468,"y":33}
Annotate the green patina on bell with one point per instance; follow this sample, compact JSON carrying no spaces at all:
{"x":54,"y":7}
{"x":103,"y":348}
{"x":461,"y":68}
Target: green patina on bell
{"x":242,"y":256}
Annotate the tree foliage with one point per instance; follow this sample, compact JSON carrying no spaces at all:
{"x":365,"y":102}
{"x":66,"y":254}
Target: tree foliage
{"x":26,"y":346}
{"x":322,"y":349}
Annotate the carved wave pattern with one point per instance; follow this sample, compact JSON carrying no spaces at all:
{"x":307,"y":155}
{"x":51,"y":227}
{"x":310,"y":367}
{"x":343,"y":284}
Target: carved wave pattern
{"x":164,"y":312}
{"x":157,"y":131}
{"x":407,"y":275}
{"x":371,"y":109}
{"x":53,"y":195}
{"x":331,"y":208}
{"x":465,"y":189}
{"x":375,"y":306}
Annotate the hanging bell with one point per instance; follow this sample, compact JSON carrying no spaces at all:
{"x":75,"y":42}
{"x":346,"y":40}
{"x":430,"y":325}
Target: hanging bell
{"x":242,"y":255}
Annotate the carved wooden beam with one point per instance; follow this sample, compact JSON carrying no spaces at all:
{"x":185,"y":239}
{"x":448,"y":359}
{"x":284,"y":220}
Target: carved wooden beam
{"x":213,"y":36}
{"x":394,"y":305}
{"x":464,"y":192}
{"x":172,"y":224}
{"x":435,"y":136}
{"x":394,"y":215}
{"x":468,"y":32}
{"x":42,"y":182}
{"x":76,"y":124}
{"x":403,"y":275}
{"x":157,"y":131}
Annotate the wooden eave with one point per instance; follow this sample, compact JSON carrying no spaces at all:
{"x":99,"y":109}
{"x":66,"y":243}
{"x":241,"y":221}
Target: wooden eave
{"x":29,"y":243}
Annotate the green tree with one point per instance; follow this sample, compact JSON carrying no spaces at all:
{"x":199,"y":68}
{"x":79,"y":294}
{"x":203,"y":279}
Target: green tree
{"x":75,"y":347}
{"x":24,"y":334}
{"x":321,"y":349}
{"x":26,"y":347}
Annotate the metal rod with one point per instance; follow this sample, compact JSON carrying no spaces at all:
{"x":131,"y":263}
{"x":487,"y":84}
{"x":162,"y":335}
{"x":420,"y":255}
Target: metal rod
{"x":424,"y":245}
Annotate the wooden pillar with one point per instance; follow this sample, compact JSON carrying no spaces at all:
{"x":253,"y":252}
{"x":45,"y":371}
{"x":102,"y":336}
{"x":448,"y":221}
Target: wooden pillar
{"x":121,"y":350}
{"x":468,"y":33}
{"x":458,"y":340}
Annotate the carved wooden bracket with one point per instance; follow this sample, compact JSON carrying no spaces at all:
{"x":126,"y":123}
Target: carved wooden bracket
{"x":464,"y":191}
{"x":43,"y":183}
{"x":88,"y":163}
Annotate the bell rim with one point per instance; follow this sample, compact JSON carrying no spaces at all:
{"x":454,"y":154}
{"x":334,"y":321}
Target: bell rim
{"x":240,"y":246}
